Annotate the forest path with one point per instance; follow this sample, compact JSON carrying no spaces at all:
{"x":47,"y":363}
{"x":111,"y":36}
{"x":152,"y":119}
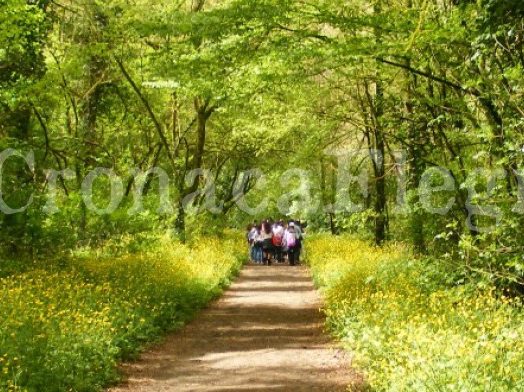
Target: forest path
{"x":264,"y":334}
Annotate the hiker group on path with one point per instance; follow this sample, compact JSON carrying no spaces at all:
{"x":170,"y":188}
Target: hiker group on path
{"x":275,"y":241}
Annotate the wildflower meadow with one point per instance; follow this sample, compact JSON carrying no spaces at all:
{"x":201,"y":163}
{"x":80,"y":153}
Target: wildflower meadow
{"x":66,"y":326}
{"x":408,"y":329}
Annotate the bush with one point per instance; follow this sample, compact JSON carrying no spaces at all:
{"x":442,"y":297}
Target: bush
{"x":410,"y":332}
{"x":65,"y":328}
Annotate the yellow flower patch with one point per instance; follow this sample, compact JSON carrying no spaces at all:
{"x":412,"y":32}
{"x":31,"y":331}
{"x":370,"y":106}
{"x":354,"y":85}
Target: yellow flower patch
{"x":409,"y":335}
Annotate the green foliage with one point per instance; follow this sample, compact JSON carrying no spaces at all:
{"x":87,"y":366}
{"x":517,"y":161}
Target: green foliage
{"x":275,"y":84}
{"x":23,"y":29}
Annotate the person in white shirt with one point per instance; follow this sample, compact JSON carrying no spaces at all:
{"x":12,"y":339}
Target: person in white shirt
{"x":252,"y":232}
{"x":290,"y":243}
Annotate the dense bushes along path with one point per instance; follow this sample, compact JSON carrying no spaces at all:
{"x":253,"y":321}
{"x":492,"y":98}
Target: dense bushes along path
{"x":264,"y":334}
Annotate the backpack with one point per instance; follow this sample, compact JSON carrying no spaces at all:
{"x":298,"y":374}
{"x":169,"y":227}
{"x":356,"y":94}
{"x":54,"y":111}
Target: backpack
{"x":277,"y":239}
{"x":291,"y":239}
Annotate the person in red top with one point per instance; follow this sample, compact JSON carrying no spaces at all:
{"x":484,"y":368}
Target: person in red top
{"x":278,"y":236}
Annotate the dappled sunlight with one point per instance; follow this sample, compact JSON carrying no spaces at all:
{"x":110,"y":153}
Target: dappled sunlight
{"x":265,"y":334}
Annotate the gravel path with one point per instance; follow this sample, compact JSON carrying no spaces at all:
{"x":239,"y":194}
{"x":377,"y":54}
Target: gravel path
{"x":264,"y":334}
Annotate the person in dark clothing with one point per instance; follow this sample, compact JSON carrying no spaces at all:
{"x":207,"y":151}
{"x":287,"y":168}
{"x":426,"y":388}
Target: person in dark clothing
{"x":267,"y":242}
{"x":300,"y":237}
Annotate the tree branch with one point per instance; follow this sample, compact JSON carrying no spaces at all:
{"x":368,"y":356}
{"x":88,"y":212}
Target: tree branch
{"x":152,"y":115}
{"x":428,"y":75}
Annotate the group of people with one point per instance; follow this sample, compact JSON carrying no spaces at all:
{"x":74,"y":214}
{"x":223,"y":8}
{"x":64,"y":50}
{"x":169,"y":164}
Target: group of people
{"x":275,"y":241}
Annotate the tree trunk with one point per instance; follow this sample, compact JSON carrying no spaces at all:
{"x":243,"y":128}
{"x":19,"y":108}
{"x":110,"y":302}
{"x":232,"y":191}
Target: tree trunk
{"x":415,"y":167}
{"x":381,"y":220}
{"x":180,"y":222}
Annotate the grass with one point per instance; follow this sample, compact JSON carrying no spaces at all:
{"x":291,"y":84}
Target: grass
{"x":411,"y":331}
{"x":65,"y":327}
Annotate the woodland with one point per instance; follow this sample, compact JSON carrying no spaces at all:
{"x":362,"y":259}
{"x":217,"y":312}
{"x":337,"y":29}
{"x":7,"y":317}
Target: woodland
{"x":139,"y":138}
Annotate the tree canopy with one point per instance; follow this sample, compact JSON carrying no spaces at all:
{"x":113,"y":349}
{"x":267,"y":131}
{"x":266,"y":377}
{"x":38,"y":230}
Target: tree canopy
{"x":424,"y":96}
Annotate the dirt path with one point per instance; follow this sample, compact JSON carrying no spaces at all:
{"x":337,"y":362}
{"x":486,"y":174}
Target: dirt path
{"x":264,"y":334}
